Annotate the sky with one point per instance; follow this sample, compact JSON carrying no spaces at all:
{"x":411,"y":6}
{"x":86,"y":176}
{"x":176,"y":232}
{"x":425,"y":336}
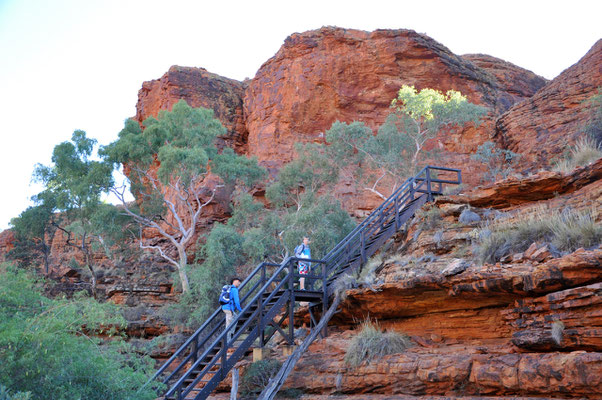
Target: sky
{"x":73,"y":64}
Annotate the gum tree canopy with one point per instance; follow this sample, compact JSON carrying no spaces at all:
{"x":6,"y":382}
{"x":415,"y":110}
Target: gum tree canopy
{"x":168,"y":164}
{"x":395,"y":152}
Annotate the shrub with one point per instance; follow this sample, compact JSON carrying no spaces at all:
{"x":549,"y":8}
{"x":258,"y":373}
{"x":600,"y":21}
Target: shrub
{"x":5,"y":394}
{"x":431,"y":216}
{"x":257,"y":376}
{"x":566,"y":230}
{"x":500,"y":162}
{"x":468,"y":216}
{"x":585,"y":151}
{"x":48,"y":347}
{"x":373,"y":343}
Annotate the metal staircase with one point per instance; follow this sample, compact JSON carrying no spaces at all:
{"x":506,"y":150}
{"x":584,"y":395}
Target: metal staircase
{"x":269,"y":293}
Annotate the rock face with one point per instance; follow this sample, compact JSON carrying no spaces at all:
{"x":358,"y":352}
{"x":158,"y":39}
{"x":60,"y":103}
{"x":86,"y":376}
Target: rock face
{"x":330,"y":74}
{"x":199,"y":88}
{"x":527,"y":327}
{"x":542,"y":126}
{"x":513,"y":80}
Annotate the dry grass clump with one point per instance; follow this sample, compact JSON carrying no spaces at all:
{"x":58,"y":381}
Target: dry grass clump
{"x":557,"y":331}
{"x":430,"y":215}
{"x":367,"y":277}
{"x":565,"y":231}
{"x":257,"y":377}
{"x":585,"y":151}
{"x":373,"y":343}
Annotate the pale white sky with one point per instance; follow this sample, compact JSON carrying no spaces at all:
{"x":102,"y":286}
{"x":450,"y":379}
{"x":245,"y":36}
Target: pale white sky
{"x":78,"y":64}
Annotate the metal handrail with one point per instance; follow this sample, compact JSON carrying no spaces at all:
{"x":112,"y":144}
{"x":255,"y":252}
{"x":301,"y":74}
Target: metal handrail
{"x":250,"y":318}
{"x":335,"y":259}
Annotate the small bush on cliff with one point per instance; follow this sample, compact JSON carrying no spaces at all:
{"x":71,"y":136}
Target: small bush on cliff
{"x":257,"y":376}
{"x":48,"y":346}
{"x":373,"y":343}
{"x":500,"y":162}
{"x":566,"y":230}
{"x":557,"y":331}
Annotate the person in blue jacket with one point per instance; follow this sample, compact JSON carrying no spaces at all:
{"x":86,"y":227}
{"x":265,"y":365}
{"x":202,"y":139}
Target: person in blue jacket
{"x":234,"y":305}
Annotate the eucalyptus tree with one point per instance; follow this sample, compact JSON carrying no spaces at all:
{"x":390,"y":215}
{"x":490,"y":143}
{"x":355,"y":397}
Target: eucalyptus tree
{"x":34,"y":229}
{"x":396,"y":150}
{"x":174,"y":169}
{"x":74,"y":185}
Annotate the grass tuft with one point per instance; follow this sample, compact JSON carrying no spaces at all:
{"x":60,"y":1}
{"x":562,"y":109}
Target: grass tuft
{"x":257,"y":377}
{"x":585,"y":151}
{"x":557,"y":331}
{"x":565,"y":230}
{"x":372,"y":343}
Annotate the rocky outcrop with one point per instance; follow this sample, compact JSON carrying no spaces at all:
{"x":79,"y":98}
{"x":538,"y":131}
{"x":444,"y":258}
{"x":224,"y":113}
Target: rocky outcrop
{"x":541,"y":186}
{"x":199,"y":88}
{"x":527,"y":326}
{"x":330,"y":74}
{"x":541,"y":127}
{"x":455,"y":372}
{"x":7,"y":239}
{"x":513,"y":80}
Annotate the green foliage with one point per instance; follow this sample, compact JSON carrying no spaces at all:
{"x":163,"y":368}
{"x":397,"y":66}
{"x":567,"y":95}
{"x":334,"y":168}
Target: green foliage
{"x":48,"y":345}
{"x":585,"y":151}
{"x":255,"y":233}
{"x":75,"y":180}
{"x":5,"y":394}
{"x":566,"y":230}
{"x":169,"y":161}
{"x":34,"y":229}
{"x":257,"y":376}
{"x":395,"y":152}
{"x":500,"y":163}
{"x":74,"y":185}
{"x":372,"y":343}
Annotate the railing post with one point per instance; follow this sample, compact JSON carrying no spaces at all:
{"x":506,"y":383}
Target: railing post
{"x":396,"y":213}
{"x":224,"y":356}
{"x":260,"y":327}
{"x":195,"y":349}
{"x":324,"y":298}
{"x":291,"y":305}
{"x":260,"y":307}
{"x":428,"y":184}
{"x":363,"y":247}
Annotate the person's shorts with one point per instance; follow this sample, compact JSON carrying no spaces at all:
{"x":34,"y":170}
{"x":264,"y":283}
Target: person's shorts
{"x":303,"y":269}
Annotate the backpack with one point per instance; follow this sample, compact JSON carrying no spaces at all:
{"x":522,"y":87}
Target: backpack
{"x":299,"y":250}
{"x":224,"y":297}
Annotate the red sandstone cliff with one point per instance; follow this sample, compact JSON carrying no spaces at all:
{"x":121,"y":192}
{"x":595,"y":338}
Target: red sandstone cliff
{"x":513,"y":80}
{"x":199,"y":88}
{"x":329,"y":74}
{"x":318,"y":77}
{"x":543,"y":126}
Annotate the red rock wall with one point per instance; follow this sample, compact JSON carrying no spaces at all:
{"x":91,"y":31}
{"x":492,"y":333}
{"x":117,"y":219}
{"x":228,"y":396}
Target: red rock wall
{"x":515,"y":81}
{"x":330,"y":74}
{"x":199,"y":88}
{"x":542,"y":127}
